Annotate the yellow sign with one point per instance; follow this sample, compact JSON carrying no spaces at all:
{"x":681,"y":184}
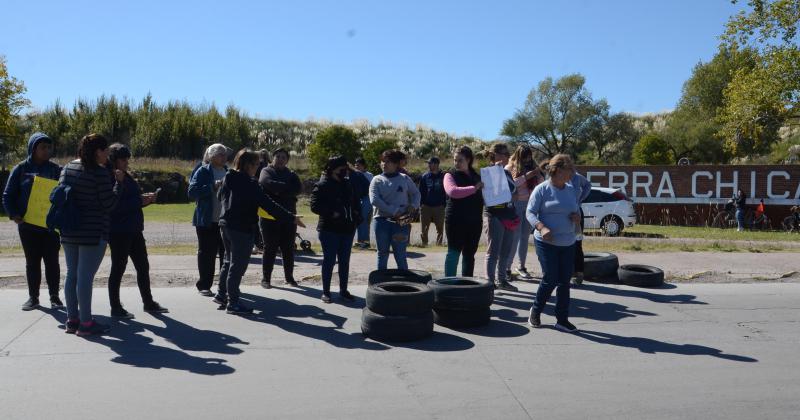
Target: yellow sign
{"x":263,"y":213}
{"x":39,"y":201}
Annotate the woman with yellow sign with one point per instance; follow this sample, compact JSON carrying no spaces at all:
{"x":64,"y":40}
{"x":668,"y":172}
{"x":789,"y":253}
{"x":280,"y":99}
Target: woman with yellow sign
{"x":28,"y":183}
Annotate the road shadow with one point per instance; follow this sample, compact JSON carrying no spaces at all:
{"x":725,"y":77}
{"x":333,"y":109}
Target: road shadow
{"x":137,"y":350}
{"x":438,"y":342}
{"x":497,"y":327}
{"x":650,"y":346}
{"x":581,"y":308}
{"x":414,"y":255}
{"x":643,"y":294}
{"x":285,"y":314}
{"x":303,"y":258}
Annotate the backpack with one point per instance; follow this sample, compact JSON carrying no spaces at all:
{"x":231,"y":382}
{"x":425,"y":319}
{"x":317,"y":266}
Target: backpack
{"x":63,"y":214}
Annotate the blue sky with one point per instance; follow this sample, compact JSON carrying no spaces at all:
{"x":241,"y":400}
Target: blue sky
{"x":459,"y":66}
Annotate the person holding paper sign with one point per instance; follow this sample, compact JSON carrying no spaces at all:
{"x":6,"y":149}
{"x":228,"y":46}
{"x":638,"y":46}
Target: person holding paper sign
{"x":38,"y":243}
{"x":501,"y":221}
{"x":553,"y":212}
{"x":526,"y":177}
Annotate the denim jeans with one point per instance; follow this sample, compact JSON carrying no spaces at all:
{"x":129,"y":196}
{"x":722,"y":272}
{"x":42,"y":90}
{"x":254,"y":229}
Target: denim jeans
{"x":740,"y":219}
{"x":391,"y":234}
{"x":363,"y":227}
{"x":238,"y":246}
{"x":520,"y":237}
{"x":499,"y":247}
{"x":557,"y":263}
{"x":335,"y":246}
{"x":82,"y":264}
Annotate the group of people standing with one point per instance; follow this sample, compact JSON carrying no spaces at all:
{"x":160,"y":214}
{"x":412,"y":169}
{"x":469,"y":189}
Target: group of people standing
{"x":109,"y":204}
{"x":257,"y":198}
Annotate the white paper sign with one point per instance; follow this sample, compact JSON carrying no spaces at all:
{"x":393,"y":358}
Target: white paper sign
{"x":495,"y":186}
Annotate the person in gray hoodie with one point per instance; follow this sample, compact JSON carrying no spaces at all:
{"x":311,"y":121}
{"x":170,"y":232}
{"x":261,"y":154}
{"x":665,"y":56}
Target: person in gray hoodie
{"x":38,"y":243}
{"x":393,"y":195}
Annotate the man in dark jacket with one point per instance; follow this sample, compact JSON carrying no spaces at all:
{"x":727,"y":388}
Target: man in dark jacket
{"x":433,"y":199}
{"x":38,"y":242}
{"x":283,"y":186}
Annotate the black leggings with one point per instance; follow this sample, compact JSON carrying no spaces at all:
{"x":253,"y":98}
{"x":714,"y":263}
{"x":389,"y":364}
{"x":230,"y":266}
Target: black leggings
{"x":124,"y":245}
{"x":277,"y":235}
{"x":40,"y":244}
{"x":209,"y":248}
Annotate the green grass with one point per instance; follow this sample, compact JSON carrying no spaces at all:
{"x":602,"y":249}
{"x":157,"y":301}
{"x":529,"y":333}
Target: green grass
{"x":711,"y":233}
{"x":182,"y":213}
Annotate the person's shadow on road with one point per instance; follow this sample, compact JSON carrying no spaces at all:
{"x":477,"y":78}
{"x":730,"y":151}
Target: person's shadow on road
{"x":138,"y":350}
{"x":580,"y":308}
{"x":650,"y":346}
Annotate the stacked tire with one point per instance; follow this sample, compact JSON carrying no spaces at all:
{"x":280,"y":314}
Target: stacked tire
{"x":461,"y":302}
{"x":600,"y":266}
{"x":396,"y":274}
{"x":398,"y":311}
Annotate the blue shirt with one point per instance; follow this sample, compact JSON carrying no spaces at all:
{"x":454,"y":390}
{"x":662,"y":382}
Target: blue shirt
{"x":553,"y":206}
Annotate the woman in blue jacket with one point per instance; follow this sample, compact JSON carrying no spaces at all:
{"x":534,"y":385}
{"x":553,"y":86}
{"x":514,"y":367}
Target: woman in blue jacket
{"x":38,"y":242}
{"x":203,"y":188}
{"x":126,"y":238}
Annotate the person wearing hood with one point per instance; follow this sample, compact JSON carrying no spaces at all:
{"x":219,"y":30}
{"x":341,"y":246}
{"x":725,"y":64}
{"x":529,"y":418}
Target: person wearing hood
{"x":339,"y":210}
{"x":240,"y":197}
{"x":38,"y":243}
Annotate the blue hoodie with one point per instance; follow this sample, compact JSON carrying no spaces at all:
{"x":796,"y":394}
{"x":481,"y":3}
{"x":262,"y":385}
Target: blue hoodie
{"x":20,"y":181}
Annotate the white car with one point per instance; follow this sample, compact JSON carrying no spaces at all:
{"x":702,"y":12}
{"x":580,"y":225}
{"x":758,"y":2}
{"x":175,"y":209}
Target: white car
{"x":608,"y":209}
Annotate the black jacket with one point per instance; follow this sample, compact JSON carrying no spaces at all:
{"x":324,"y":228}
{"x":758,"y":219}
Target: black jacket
{"x":336,"y":204}
{"x":282,"y":185}
{"x":241,"y":197}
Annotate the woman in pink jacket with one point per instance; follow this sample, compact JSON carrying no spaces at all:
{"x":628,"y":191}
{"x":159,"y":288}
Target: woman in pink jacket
{"x":463,"y":214}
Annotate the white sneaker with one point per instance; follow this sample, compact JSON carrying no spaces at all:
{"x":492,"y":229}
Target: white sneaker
{"x":523,"y":273}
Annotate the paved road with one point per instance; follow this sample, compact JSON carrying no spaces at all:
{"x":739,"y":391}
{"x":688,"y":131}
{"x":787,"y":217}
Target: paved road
{"x":694,"y":351}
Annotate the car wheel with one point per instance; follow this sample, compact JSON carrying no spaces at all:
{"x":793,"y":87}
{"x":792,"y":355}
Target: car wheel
{"x":612,"y":226}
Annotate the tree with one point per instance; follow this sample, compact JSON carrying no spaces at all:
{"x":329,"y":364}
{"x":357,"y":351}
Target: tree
{"x":609,"y":138}
{"x":336,"y":140}
{"x":373,"y":150}
{"x":652,"y":150}
{"x":12,"y":102}
{"x":555,"y":115}
{"x":760,"y":100}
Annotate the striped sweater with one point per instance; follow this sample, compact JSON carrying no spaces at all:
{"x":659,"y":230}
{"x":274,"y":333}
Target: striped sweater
{"x":95,"y":197}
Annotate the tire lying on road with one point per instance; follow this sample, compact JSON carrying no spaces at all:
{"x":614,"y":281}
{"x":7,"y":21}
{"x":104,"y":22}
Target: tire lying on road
{"x":462,"y":293}
{"x":462,"y":319}
{"x":396,"y":328}
{"x":396,"y":274}
{"x":600,"y":265}
{"x":640,"y":275}
{"x":399,"y":298}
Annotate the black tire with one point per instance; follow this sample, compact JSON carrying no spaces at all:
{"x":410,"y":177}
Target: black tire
{"x":396,"y":274}
{"x":641,"y":275}
{"x":462,"y":293}
{"x":600,"y":265}
{"x":399,"y":298}
{"x":462,"y":319}
{"x":396,"y":328}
